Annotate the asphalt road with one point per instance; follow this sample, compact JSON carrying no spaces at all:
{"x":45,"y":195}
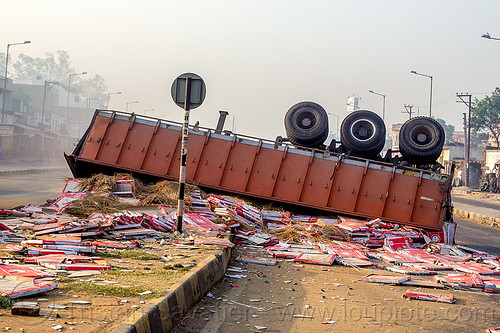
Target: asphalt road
{"x":490,"y":204}
{"x":16,"y":190}
{"x":300,"y":298}
{"x":478,"y":236}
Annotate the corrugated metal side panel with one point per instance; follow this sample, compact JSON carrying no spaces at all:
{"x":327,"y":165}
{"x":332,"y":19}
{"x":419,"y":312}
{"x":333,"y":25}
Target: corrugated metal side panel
{"x":135,"y":146}
{"x":401,"y":195}
{"x":318,"y":183}
{"x":238,"y":167}
{"x":94,"y":139}
{"x":161,"y":151}
{"x":213,"y":161}
{"x":428,"y":208}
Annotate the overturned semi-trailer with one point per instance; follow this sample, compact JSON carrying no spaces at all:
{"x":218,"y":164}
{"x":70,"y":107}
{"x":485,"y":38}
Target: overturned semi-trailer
{"x":274,"y":170}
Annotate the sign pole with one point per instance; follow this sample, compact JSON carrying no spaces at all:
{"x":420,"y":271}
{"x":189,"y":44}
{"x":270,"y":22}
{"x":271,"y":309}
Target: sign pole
{"x":188,"y":92}
{"x":182,"y":172}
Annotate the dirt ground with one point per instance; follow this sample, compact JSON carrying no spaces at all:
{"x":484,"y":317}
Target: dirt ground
{"x":485,"y":196}
{"x":273,"y":298}
{"x":99,"y":303}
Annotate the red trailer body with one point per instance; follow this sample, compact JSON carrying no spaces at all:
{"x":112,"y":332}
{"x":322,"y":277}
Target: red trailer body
{"x":118,"y":141}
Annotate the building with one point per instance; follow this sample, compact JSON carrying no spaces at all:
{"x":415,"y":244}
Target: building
{"x":458,"y":137}
{"x":35,"y":125}
{"x":352,"y":104}
{"x":395,"y":128}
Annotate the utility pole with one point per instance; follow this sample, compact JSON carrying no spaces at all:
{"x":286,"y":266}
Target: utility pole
{"x":466,"y":151}
{"x":469,"y":104}
{"x":408,"y":109}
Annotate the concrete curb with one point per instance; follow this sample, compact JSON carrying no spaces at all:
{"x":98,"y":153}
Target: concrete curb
{"x":164,"y":315}
{"x":31,"y":171}
{"x":490,"y":220}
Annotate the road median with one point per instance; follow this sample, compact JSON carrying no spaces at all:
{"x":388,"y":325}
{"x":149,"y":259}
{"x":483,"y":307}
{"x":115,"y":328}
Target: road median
{"x":476,"y":217}
{"x":162,"y":315}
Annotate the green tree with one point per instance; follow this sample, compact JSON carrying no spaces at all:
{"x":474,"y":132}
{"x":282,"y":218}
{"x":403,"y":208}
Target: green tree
{"x":485,"y":115}
{"x":448,"y":129}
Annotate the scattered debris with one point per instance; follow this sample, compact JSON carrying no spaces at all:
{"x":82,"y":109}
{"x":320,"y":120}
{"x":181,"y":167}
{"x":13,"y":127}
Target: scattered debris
{"x":386,"y":279}
{"x":32,"y":310}
{"x":417,"y":295}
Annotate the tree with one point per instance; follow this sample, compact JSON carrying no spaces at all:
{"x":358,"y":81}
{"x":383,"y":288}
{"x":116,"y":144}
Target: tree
{"x":94,"y":87}
{"x":48,"y":68}
{"x":485,"y":115}
{"x":56,"y":68}
{"x":448,"y":129}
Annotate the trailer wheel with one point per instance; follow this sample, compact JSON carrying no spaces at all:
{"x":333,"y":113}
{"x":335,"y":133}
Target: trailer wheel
{"x":363,"y":133}
{"x":421,"y":140}
{"x":306,"y":124}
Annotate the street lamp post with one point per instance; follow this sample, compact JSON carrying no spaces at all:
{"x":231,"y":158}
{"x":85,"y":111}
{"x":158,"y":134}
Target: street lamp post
{"x":113,"y":93}
{"x":45,"y":90}
{"x":87,"y":115}
{"x":487,"y":36}
{"x":67,"y":102}
{"x":134,"y":102}
{"x":5,"y":76}
{"x":383,"y":110}
{"x":337,"y":123}
{"x":430,"y":103}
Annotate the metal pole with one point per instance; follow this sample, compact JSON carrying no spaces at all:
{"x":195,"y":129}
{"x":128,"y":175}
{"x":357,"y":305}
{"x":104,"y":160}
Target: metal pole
{"x":468,"y":142}
{"x":182,"y":172}
{"x":430,"y":103}
{"x":67,"y":105}
{"x":5,"y":83}
{"x":466,"y":135}
{"x":43,"y":117}
{"x":113,"y":93}
{"x":466,"y":153}
{"x":338,"y":133}
{"x":383,"y":112}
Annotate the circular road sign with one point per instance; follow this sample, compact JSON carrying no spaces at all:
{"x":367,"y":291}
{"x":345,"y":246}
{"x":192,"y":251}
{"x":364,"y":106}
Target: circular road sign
{"x":198,"y":90}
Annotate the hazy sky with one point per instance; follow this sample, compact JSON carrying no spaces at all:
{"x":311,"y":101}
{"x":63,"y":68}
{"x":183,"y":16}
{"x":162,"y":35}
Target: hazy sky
{"x":258,"y":58}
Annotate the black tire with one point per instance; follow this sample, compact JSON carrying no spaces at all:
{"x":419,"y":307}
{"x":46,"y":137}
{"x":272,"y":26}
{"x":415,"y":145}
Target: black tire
{"x":306,"y":124}
{"x":421,"y":140}
{"x":362,"y":133}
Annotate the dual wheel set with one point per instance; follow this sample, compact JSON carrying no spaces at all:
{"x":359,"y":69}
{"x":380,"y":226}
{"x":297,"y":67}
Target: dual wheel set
{"x":363,"y":133}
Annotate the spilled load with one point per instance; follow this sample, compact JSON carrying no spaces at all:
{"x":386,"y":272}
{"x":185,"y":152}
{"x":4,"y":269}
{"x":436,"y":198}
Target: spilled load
{"x":351,"y":178}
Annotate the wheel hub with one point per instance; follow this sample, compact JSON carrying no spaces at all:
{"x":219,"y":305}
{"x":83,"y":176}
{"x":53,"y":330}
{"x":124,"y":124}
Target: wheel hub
{"x":306,"y":120}
{"x":421,"y":137}
{"x":363,"y":130}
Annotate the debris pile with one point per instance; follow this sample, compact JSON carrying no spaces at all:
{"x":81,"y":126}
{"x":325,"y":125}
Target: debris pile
{"x":105,"y":212}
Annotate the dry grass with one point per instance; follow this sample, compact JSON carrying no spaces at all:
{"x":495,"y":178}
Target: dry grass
{"x":161,"y":193}
{"x":164,"y":192}
{"x":317,"y":231}
{"x":129,"y":284}
{"x":96,"y":203}
{"x":98,"y":184}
